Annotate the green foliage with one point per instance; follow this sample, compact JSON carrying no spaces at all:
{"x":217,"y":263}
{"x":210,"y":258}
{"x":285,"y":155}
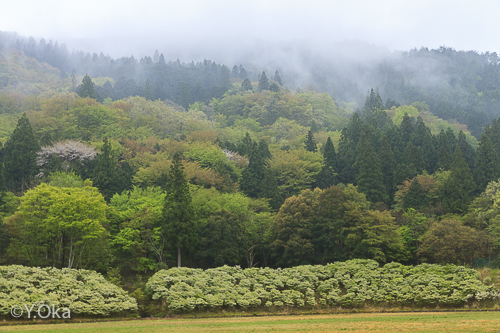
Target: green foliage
{"x":178,"y":219}
{"x":352,"y":283}
{"x":19,"y":155}
{"x":87,"y":88}
{"x":85,"y":293}
{"x":53,"y":223}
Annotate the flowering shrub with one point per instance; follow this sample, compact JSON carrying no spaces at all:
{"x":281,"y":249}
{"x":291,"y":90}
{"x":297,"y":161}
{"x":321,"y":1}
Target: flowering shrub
{"x":84,"y":292}
{"x":346,"y":284}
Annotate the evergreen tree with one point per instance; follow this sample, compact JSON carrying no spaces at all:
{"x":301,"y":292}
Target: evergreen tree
{"x":2,"y":179}
{"x":183,"y":94}
{"x":415,"y":197}
{"x":108,"y":176}
{"x":148,"y":94}
{"x":263,"y":82}
{"x":243,"y":73}
{"x":429,"y":154}
{"x":459,"y":186}
{"x":310,"y":144}
{"x":467,"y":150}
{"x":387,"y":166}
{"x":178,"y":217}
{"x":444,"y":159}
{"x":253,"y":175}
{"x":414,"y":157}
{"x":277,"y":78}
{"x":270,"y":190}
{"x":369,"y":178}
{"x":327,"y":176}
{"x":346,"y":158}
{"x":246,"y":145}
{"x":314,"y":127}
{"x":264,"y":151}
{"x":19,"y":154}
{"x":406,"y":129}
{"x":87,"y":88}
{"x":273,"y":87}
{"x":246,"y":85}
{"x":487,"y":166}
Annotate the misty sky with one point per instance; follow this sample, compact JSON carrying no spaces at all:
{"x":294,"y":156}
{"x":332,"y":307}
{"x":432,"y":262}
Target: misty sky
{"x":204,"y":29}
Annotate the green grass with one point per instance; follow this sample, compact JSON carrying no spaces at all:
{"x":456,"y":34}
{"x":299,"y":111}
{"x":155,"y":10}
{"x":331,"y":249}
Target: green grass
{"x":361,"y":322}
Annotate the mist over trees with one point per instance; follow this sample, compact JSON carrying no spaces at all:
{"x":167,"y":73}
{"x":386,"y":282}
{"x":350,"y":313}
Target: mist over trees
{"x":458,"y":86}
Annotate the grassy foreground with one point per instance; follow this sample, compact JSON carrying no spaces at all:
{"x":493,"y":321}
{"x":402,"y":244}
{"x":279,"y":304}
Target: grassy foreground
{"x":373,"y":322}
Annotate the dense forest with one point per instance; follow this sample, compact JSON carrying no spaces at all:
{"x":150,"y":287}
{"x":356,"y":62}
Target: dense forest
{"x":129,"y":166}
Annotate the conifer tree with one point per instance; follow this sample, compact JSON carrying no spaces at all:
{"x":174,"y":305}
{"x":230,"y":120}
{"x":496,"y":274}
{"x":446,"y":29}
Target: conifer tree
{"x":246,"y":145}
{"x":270,"y":190}
{"x":387,"y":166}
{"x":414,"y":157}
{"x":467,"y":150}
{"x":327,"y":176}
{"x":108,"y":176}
{"x":178,"y":217}
{"x":277,"y":78}
{"x":264,"y":150}
{"x":487,"y":167}
{"x":87,"y":88}
{"x":310,"y":144}
{"x":458,"y":188}
{"x":429,"y":154}
{"x":148,"y":94}
{"x":19,"y":154}
{"x":369,"y":177}
{"x":346,"y":158}
{"x":263,"y":82}
{"x":246,"y":85}
{"x":444,"y":159}
{"x":406,"y":129}
{"x":253,"y":175}
{"x":415,"y":197}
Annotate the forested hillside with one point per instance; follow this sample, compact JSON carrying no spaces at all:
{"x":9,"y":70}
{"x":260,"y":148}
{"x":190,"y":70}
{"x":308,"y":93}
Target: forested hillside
{"x":127,"y":167}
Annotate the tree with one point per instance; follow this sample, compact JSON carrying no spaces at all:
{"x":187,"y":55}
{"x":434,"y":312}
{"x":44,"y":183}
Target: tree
{"x":369,"y":178}
{"x":310,"y":144}
{"x":253,"y":175}
{"x":487,"y":166}
{"x":87,"y":88}
{"x":263,"y":82}
{"x":277,"y":78}
{"x":291,"y":235}
{"x":459,"y":186}
{"x":108,"y":176}
{"x":221,"y":240}
{"x":183,"y":94}
{"x":148,"y":94}
{"x":246,"y":85}
{"x":387,"y":166}
{"x":178,"y":218}
{"x":19,"y":155}
{"x":270,"y":190}
{"x":451,"y":242}
{"x":327,"y":177}
{"x":58,"y":224}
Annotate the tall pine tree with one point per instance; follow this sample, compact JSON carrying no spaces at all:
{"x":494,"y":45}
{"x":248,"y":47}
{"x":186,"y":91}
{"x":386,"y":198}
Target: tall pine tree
{"x":178,"y":217}
{"x":20,"y":153}
{"x":310,"y":144}
{"x":327,"y":176}
{"x":487,"y":167}
{"x":253,"y":175}
{"x":458,"y":188}
{"x":369,"y":178}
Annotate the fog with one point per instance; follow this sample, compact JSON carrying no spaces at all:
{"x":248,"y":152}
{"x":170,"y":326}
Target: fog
{"x":226,"y":31}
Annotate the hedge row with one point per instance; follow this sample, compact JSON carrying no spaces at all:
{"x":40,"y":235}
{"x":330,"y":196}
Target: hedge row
{"x":83,"y":292}
{"x":346,"y":284}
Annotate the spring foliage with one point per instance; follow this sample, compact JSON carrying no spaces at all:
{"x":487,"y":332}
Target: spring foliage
{"x":85,"y":293}
{"x":345,"y":284}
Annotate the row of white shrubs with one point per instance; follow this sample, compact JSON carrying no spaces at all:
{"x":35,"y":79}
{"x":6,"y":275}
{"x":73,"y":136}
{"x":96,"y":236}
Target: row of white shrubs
{"x":346,"y":284}
{"x":83,"y":292}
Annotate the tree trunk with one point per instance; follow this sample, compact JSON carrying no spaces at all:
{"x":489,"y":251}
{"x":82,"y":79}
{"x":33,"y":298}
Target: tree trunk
{"x":178,"y":256}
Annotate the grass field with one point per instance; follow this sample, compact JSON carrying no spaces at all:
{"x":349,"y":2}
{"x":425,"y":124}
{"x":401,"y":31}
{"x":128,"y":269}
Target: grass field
{"x":368,"y":322}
